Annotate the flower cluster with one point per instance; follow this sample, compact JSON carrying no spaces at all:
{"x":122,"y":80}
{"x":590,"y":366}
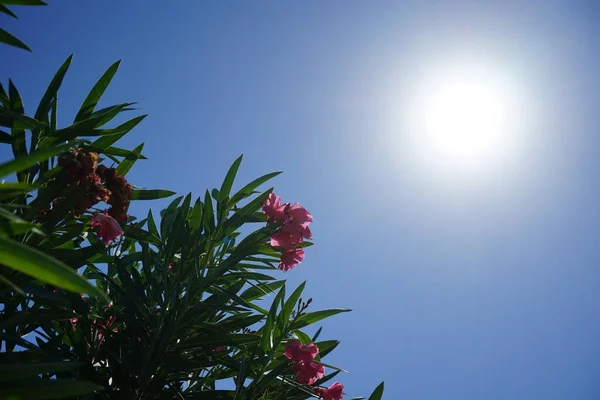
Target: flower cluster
{"x":308,"y":372}
{"x":303,"y":356}
{"x":293,"y":220}
{"x":99,"y":182}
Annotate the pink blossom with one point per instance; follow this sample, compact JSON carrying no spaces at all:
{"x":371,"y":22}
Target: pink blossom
{"x":273,"y":208}
{"x":109,"y":227}
{"x":333,"y":392}
{"x":291,"y":258}
{"x":297,"y":219}
{"x":74,"y":321}
{"x":286,"y":240}
{"x":301,"y":353}
{"x":170,"y":267}
{"x":308,"y":374}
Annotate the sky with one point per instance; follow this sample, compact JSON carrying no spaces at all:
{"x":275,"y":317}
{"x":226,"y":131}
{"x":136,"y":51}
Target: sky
{"x":464,"y":285}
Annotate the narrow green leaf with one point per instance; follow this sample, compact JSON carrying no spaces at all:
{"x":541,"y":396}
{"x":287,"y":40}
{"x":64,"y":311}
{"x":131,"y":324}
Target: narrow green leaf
{"x":7,"y":11}
{"x":16,"y":187}
{"x":303,"y":337}
{"x":41,"y":113}
{"x":151,"y":194}
{"x":218,"y":339}
{"x":11,"y":40}
{"x":18,"y":135}
{"x":128,"y":162}
{"x":96,"y":93}
{"x":106,"y":141}
{"x":30,"y":160}
{"x":47,"y":389}
{"x":291,"y":302}
{"x":317,"y":334}
{"x":12,"y":119}
{"x":24,"y":2}
{"x":141,"y":235}
{"x":5,"y":137}
{"x":151,"y":224}
{"x":34,"y":263}
{"x":195,"y":218}
{"x":209,"y":214}
{"x":227,"y":184}
{"x":88,"y":126}
{"x":249,"y":188}
{"x":115,"y":151}
{"x":377,"y":393}
{"x":260,"y":289}
{"x":19,"y":371}
{"x":327,"y":346}
{"x":267,"y":333}
{"x":316,"y":316}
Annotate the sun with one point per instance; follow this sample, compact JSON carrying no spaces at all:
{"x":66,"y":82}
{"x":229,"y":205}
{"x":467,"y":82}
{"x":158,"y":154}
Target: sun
{"x":462,"y":119}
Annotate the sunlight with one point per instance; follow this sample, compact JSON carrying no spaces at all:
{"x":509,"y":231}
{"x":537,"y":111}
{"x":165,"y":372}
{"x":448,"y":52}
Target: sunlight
{"x":463,"y":119}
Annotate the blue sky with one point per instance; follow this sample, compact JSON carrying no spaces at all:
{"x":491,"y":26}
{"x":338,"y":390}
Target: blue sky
{"x":463,"y":289}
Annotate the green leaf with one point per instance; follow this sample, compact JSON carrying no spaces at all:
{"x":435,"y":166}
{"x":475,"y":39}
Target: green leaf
{"x":377,"y":393}
{"x":303,"y":337}
{"x":18,"y":135}
{"x":24,"y":2}
{"x":267,"y":333}
{"x":291,"y":302}
{"x":88,"y":127}
{"x":209,"y":215}
{"x":128,"y":162}
{"x":12,"y":188}
{"x":121,"y":130}
{"x":227,"y":184}
{"x":259,"y":290}
{"x":115,"y":151}
{"x":47,"y":389}
{"x":5,"y":137}
{"x":7,"y":11}
{"x":327,"y":346}
{"x":34,"y":263}
{"x":151,"y":194}
{"x":218,"y":339}
{"x":141,"y":235}
{"x":46,"y":102}
{"x":87,"y":108}
{"x":11,"y":224}
{"x":249,"y":188}
{"x":30,"y":160}
{"x":19,"y":121}
{"x":11,"y":40}
{"x":195,"y":218}
{"x":316,"y":316}
{"x":19,"y":371}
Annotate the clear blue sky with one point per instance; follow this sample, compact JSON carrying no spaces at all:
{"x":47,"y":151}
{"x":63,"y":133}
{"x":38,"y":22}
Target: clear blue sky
{"x":485,"y":290}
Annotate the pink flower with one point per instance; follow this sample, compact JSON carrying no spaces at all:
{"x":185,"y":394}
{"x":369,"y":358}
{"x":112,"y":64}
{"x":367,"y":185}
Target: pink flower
{"x":301,"y":353}
{"x":109,"y":227}
{"x":170,"y":267}
{"x":333,"y":392}
{"x":74,"y":321}
{"x":291,"y":258}
{"x":273,"y":208}
{"x":297,"y":219}
{"x":286,"y":240}
{"x":309,"y":373}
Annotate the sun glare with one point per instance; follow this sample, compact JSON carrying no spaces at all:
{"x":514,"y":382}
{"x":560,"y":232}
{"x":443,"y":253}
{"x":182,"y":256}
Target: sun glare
{"x":462,"y":119}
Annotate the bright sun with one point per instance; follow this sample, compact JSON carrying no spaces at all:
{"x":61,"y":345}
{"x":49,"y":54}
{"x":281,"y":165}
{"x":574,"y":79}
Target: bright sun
{"x":463,"y":119}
